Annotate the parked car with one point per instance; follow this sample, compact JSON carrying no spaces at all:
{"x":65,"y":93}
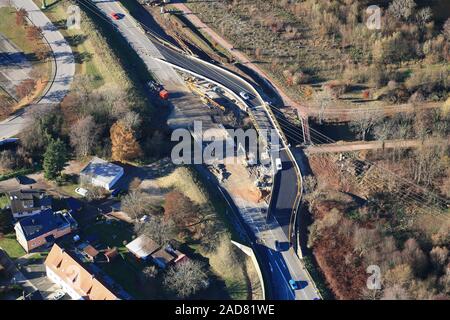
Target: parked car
{"x":293,"y":284}
{"x":278,"y":164}
{"x":58,"y":295}
{"x":244,"y":95}
{"x":81,"y":191}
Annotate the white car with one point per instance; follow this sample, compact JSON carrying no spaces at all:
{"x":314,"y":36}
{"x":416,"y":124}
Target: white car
{"x":244,"y":95}
{"x":81,"y":191}
{"x":58,"y":295}
{"x":278,"y":164}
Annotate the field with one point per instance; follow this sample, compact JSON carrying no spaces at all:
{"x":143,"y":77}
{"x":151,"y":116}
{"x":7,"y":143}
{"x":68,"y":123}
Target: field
{"x":11,"y":246}
{"x":41,"y":68}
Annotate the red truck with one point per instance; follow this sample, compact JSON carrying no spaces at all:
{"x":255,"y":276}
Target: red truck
{"x":158,"y":88}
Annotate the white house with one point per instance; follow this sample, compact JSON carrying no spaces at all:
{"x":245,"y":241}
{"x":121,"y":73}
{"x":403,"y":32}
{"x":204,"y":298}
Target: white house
{"x":101,"y":173}
{"x":64,"y":269}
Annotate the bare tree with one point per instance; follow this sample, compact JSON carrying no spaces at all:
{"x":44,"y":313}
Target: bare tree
{"x":150,"y":272}
{"x":186,"y":278}
{"x":136,"y":204}
{"x":131,"y":121}
{"x":402,"y":9}
{"x":446,"y":29}
{"x":364,"y":123}
{"x":83,"y":135}
{"x":5,"y":106}
{"x":161,"y":231}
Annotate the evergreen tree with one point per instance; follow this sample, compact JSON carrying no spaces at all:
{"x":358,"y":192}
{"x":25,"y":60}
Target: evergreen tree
{"x":55,"y":158}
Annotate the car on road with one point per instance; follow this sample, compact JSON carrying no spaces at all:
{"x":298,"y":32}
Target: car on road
{"x":58,"y":295}
{"x":244,"y":95}
{"x":81,"y":191}
{"x":293,"y":284}
{"x":278,"y":164}
{"x":116,"y":16}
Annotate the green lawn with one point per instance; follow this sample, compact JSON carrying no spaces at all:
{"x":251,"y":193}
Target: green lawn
{"x":83,"y":49}
{"x":13,"y":32}
{"x":11,"y":246}
{"x":111,"y":234}
{"x":4,"y":201}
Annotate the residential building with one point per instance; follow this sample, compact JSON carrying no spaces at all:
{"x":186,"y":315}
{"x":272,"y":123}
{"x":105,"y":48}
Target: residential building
{"x":101,"y":173}
{"x":76,"y":278}
{"x":43,"y":228}
{"x":25,"y":203}
{"x":142,"y":247}
{"x":162,"y":258}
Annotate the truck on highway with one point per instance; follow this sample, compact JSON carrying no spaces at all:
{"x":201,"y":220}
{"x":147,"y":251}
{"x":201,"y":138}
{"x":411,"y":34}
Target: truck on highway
{"x":159,"y":89}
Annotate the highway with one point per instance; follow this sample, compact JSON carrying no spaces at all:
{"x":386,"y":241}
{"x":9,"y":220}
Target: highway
{"x":64,"y":70}
{"x":282,"y":266}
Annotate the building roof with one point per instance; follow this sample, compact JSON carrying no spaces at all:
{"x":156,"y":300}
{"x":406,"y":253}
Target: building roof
{"x":142,"y":246}
{"x":102,"y":170}
{"x":77,"y":276}
{"x":162,"y":257}
{"x":42,"y":223}
{"x":90,"y":251}
{"x":28,"y":200}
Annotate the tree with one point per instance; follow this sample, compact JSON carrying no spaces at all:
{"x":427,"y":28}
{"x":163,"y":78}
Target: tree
{"x":161,"y":231}
{"x":124,"y":144}
{"x":446,"y":29}
{"x":55,"y":158}
{"x":41,"y":53}
{"x":45,"y":125}
{"x":25,"y":88}
{"x":6,"y":221}
{"x":364,"y":123}
{"x":186,"y":278}
{"x":34,"y":33}
{"x":402,"y":9}
{"x":83,"y":136}
{"x":136,"y":204}
{"x":7,"y":160}
{"x":180,"y":209}
{"x":21,"y":17}
{"x":5,"y":106}
{"x":150,"y":272}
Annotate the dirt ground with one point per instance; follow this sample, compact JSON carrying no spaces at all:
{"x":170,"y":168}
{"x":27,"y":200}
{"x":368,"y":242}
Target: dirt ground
{"x":241,"y":184}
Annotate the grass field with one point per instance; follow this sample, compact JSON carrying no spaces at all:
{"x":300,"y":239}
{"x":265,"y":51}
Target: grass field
{"x":18,"y":35}
{"x":86,"y":61}
{"x":11,"y":246}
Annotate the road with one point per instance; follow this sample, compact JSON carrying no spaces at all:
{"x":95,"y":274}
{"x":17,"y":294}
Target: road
{"x":283,"y":265}
{"x":64,"y":70}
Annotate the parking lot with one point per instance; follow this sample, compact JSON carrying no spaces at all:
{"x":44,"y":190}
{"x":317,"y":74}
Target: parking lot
{"x":34,"y":271}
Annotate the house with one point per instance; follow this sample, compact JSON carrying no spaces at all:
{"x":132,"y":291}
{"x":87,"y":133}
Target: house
{"x":101,"y":173}
{"x":111,"y":254}
{"x":142,"y":247}
{"x":42,"y":229}
{"x":75,"y":278}
{"x":29,"y":202}
{"x":162,"y":258}
{"x":90,"y":252}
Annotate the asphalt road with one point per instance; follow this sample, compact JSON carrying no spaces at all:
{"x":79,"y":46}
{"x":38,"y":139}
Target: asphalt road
{"x":282,"y":266}
{"x":63,"y":76}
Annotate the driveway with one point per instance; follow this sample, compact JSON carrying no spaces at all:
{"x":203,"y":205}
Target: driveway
{"x":64,"y":70}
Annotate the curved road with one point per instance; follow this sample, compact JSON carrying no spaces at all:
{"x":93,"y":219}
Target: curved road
{"x":282,"y":266}
{"x":64,"y":70}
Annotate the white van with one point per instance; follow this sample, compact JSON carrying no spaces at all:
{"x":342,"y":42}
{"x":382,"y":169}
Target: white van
{"x":278,"y":164}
